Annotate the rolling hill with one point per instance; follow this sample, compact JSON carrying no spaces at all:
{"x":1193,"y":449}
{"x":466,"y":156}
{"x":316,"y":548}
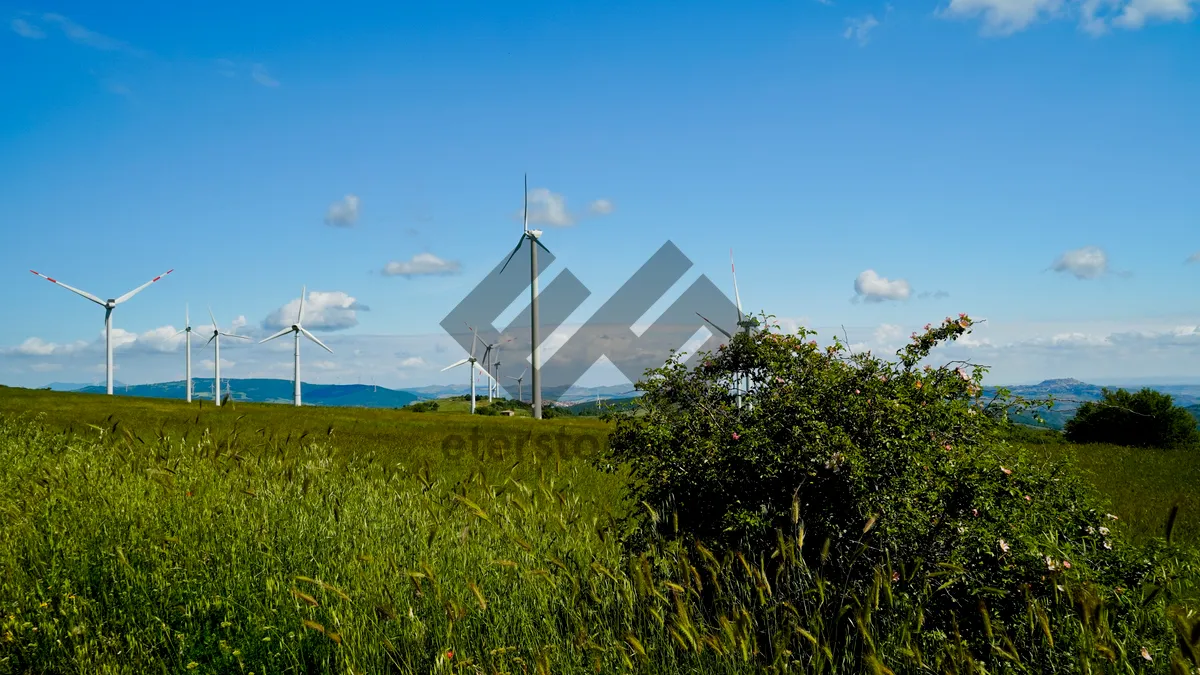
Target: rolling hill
{"x":273,"y":391}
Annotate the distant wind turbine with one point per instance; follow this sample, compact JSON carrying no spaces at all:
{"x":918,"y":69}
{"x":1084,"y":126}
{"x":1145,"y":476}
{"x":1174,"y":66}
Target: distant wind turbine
{"x":297,"y":329}
{"x":216,"y":339}
{"x":534,"y":243}
{"x":187,"y":330}
{"x":109,"y":306}
{"x":473,"y":365}
{"x":747,"y":324}
{"x":520,"y":387}
{"x":489,"y":366}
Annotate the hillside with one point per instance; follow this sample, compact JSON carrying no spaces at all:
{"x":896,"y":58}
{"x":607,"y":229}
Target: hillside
{"x":1070,"y":393}
{"x":272,"y":391}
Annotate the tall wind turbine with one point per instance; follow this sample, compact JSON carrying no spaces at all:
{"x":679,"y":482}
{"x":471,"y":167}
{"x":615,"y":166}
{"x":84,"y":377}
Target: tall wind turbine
{"x":297,"y":329}
{"x":534,"y":243}
{"x":747,"y":324}
{"x":187,"y":330}
{"x":473,"y":365}
{"x":109,"y":306}
{"x":216,"y":339}
{"x":520,"y":387}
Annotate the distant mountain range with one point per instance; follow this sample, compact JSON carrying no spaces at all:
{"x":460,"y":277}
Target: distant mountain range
{"x":264,"y":390}
{"x":1070,"y":393}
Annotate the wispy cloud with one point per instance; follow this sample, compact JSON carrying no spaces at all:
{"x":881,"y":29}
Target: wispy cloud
{"x":260,"y":75}
{"x":36,"y":27}
{"x":860,"y":29}
{"x":1195,"y":257}
{"x":1006,"y":17}
{"x":27,"y":30}
{"x":421,"y":264}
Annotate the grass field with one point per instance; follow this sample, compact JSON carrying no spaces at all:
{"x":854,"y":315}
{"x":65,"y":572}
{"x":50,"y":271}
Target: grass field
{"x":148,"y":535}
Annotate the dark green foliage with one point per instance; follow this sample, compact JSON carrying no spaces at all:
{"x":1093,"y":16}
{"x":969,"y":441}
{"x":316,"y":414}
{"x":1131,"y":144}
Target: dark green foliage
{"x":1146,"y":419}
{"x":880,"y":468}
{"x":422,"y":406}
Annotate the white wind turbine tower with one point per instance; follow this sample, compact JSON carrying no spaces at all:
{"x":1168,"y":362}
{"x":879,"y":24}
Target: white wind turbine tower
{"x":297,"y":329}
{"x":109,"y":306}
{"x":747,"y":324}
{"x":520,"y":387}
{"x":534,"y":243}
{"x":216,"y":336}
{"x":187,"y":330}
{"x":473,"y":365}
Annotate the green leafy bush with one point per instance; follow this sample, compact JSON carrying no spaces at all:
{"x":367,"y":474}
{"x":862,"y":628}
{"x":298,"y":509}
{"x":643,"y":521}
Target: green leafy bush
{"x":1146,"y":419}
{"x":422,"y":406}
{"x":877,"y":470}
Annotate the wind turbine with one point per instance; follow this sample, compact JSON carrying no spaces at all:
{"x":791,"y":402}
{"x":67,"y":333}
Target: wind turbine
{"x":520,"y":387}
{"x":488,"y":365}
{"x":216,"y":336}
{"x":747,"y":324}
{"x":109,"y":306}
{"x":297,"y":329}
{"x":473,"y":365}
{"x":187,"y":330}
{"x":534,"y":243}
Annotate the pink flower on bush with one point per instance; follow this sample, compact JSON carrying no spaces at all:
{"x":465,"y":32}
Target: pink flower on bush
{"x":1006,"y":471}
{"x":736,"y":436}
{"x":1066,"y":564}
{"x":1004,"y":546}
{"x":1028,"y":498}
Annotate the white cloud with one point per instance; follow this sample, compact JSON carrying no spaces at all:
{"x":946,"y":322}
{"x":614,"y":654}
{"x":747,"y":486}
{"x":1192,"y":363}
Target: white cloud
{"x":1089,"y":262}
{"x":548,"y":208}
{"x":887,"y":333}
{"x":207,"y":364}
{"x":601,"y":207}
{"x":120,"y":338}
{"x":421,"y":264}
{"x":36,"y":346}
{"x":27,"y":30}
{"x":332,"y":310}
{"x":343,"y":213}
{"x":260,"y":74}
{"x":874,"y":288}
{"x":937,"y":295}
{"x":1005,"y":17}
{"x":1195,"y":257}
{"x":860,"y":29}
{"x":411,"y":362}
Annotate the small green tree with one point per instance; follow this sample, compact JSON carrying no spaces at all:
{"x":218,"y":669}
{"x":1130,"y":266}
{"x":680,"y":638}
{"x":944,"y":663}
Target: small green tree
{"x":1146,"y":419}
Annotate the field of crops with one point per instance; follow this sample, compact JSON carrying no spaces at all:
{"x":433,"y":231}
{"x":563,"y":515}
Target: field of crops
{"x":154,"y":536}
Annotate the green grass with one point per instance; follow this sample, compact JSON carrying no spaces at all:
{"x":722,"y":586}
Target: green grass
{"x":148,"y":535}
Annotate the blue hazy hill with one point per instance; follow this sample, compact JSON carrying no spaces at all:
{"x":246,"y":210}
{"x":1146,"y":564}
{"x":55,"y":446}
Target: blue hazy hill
{"x":263,"y":390}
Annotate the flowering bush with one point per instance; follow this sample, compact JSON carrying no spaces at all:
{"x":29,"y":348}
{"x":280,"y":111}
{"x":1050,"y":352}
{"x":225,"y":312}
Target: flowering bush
{"x":874,"y":467}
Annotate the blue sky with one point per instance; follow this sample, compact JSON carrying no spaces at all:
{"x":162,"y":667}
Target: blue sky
{"x":877,"y":167}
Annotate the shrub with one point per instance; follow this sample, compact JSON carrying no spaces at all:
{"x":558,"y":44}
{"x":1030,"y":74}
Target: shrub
{"x":1146,"y":419}
{"x":877,"y":470}
{"x":422,"y":406}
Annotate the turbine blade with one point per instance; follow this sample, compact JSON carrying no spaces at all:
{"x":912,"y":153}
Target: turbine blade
{"x":484,"y":371}
{"x":85,"y":294}
{"x":510,"y":255}
{"x":214,"y":319}
{"x":723,"y":331}
{"x":187,"y":319}
{"x":300,"y":314}
{"x":312,"y":337}
{"x":137,"y":290}
{"x":736,"y":297}
{"x":285,"y":331}
{"x":240,"y":337}
{"x":525,"y":218}
{"x":543,"y":246}
{"x":455,"y":364}
{"x":214,"y":336}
